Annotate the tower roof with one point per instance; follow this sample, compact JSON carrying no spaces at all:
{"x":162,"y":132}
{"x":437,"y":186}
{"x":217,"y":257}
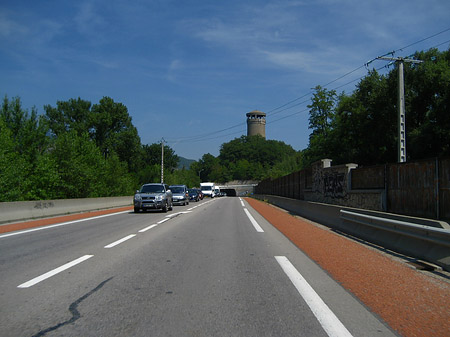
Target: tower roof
{"x":256,"y":112}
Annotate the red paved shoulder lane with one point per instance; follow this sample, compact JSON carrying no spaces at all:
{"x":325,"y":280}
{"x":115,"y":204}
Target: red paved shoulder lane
{"x":58,"y":219}
{"x":411,"y":302}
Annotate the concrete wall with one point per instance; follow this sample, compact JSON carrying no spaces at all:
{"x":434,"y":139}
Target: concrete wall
{"x":25,"y":210}
{"x":332,"y":185}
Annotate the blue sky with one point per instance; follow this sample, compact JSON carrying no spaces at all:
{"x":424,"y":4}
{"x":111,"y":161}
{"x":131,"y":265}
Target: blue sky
{"x":189,"y":71}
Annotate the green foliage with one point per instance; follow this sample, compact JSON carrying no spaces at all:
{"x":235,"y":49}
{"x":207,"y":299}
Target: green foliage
{"x":428,"y":105}
{"x":207,"y":164}
{"x":24,"y":142}
{"x":113,"y":131}
{"x":84,"y":172}
{"x":13,"y":167}
{"x":286,"y":166}
{"x":152,"y":156}
{"x":183,"y":177}
{"x":246,"y":158}
{"x":79,"y":165}
{"x":364,"y":125}
{"x":321,"y":111}
{"x":107,"y":123}
{"x":148,"y":174}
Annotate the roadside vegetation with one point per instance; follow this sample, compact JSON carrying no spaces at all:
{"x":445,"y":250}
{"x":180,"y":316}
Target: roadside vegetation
{"x":77,"y":149}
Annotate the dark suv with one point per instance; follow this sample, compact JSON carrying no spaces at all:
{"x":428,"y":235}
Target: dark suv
{"x":153,"y":196}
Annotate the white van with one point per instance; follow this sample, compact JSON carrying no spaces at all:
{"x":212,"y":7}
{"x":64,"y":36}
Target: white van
{"x":208,"y":189}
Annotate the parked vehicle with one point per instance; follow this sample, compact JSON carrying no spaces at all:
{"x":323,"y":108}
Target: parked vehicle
{"x":208,"y":189}
{"x":180,"y":194}
{"x":153,"y":196}
{"x":193,"y":194}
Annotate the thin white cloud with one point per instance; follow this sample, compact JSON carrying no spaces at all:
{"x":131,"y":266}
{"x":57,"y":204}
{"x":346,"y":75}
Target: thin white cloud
{"x":10,"y":28}
{"x":88,"y":20}
{"x":292,"y":60}
{"x":325,"y":36}
{"x":174,"y":67}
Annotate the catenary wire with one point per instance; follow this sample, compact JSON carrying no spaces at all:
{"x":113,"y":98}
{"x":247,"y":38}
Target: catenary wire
{"x":287,"y":106}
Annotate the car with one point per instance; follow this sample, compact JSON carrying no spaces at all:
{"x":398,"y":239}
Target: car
{"x":193,"y":194}
{"x":180,"y":194}
{"x":153,"y":196}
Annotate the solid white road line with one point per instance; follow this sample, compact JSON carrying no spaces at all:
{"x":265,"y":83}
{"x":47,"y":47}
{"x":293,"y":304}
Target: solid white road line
{"x":54,"y":272}
{"x":253,"y":221}
{"x":147,"y":228}
{"x":163,"y":220}
{"x":60,"y":224}
{"x":330,"y":323}
{"x":118,"y":242}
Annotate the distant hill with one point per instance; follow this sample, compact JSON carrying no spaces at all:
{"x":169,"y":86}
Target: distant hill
{"x":184,"y":162}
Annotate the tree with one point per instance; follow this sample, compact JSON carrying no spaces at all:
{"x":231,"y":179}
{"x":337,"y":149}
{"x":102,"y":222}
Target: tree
{"x":13,"y":167}
{"x":149,"y":166}
{"x":428,"y":105}
{"x":55,"y":156}
{"x":321,"y":111}
{"x":113,"y":131}
{"x":152,"y":156}
{"x":80,"y":166}
{"x":250,"y":157}
{"x":24,"y":164}
{"x":183,"y":177}
{"x":206,"y":165}
{"x":71,"y":115}
{"x":107,"y":123}
{"x":365,"y":127}
{"x":29,"y":131}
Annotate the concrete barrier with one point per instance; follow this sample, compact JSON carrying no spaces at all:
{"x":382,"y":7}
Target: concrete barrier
{"x":26,"y":210}
{"x":418,"y":246}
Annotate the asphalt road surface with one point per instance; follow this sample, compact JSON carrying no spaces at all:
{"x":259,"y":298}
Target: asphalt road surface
{"x":212,"y":268}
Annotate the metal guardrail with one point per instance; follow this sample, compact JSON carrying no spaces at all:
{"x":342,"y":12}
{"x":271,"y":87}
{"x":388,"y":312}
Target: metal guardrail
{"x":437,"y":236}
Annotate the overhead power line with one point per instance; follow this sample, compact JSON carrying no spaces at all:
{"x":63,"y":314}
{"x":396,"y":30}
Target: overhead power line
{"x":290,"y":104}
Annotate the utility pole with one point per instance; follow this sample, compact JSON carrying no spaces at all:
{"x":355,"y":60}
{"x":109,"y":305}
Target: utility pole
{"x":401,"y":104}
{"x":162,"y":160}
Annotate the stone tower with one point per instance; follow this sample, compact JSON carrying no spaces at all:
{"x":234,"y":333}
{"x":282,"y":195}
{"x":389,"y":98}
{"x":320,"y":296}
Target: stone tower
{"x":256,"y":123}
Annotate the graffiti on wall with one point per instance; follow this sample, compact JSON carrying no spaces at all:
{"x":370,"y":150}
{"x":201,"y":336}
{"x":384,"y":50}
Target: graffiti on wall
{"x":43,"y":204}
{"x":334,"y":185}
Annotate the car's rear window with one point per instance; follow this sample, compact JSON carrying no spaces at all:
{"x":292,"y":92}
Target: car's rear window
{"x":152,"y":189}
{"x":177,"y":189}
